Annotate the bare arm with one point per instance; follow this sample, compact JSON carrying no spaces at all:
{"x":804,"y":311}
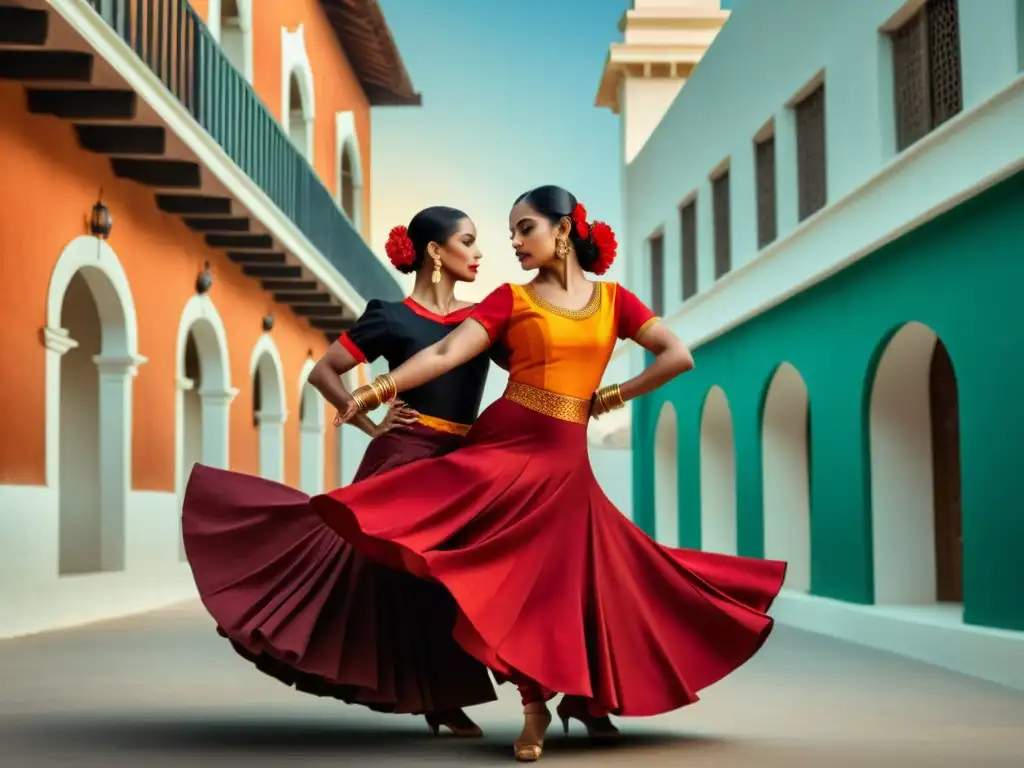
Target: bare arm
{"x":326,"y":378}
{"x":671,"y":358}
{"x":460,"y":346}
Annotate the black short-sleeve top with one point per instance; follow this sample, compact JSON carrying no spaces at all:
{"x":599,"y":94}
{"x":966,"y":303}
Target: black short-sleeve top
{"x":398,"y":330}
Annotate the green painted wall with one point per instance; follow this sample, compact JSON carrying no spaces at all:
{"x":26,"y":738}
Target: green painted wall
{"x":962,"y":275}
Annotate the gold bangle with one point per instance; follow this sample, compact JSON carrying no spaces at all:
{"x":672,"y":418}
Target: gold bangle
{"x":608,"y":399}
{"x":389,"y":390}
{"x":364,"y":397}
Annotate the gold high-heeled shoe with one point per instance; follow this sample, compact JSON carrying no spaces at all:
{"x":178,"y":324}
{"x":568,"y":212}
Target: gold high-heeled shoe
{"x":598,"y":728}
{"x":456,"y":721}
{"x":530,"y":752}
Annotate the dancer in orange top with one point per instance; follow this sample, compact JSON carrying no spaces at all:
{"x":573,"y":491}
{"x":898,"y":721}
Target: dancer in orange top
{"x":555,"y":588}
{"x":290,"y":594}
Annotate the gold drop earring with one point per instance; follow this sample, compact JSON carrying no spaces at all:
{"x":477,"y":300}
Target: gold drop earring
{"x":435,"y":276}
{"x":561,"y":248}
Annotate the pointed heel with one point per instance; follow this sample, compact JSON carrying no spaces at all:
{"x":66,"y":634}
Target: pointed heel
{"x":433,"y":724}
{"x":565,"y":723}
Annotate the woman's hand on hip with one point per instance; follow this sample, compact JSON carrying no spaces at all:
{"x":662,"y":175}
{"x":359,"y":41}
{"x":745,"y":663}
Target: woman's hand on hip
{"x":399,"y":414}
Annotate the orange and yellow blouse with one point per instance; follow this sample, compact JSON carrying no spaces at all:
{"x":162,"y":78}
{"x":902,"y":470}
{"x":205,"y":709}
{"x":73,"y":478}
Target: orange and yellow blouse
{"x":560,"y":350}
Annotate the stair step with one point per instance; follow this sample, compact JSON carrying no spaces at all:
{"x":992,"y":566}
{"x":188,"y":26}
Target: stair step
{"x":256,"y":242}
{"x":36,"y":66}
{"x":23,"y":26}
{"x":287,"y":285}
{"x":257,"y":257}
{"x":123,"y":139}
{"x":314,"y":310}
{"x":217,"y":224}
{"x":274,"y":272}
{"x":194,"y":204}
{"x":302,"y":298}
{"x":79,"y":104}
{"x":170,"y":174}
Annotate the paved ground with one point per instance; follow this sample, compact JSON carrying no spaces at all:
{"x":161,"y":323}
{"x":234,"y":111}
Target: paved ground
{"x":163,"y":690}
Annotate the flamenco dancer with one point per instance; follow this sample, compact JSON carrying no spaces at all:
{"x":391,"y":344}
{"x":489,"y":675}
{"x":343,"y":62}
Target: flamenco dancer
{"x":290,"y":594}
{"x":556,"y":589}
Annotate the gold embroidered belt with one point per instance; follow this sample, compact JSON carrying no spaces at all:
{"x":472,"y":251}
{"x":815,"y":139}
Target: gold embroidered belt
{"x":550,"y":404}
{"x":443,"y":425}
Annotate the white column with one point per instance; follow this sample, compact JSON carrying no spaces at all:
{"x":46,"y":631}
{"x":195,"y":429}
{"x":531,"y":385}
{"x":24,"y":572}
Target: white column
{"x":272,"y":445}
{"x":216,"y":404}
{"x":311,"y":458}
{"x":115,"y":426}
{"x":58,"y":342}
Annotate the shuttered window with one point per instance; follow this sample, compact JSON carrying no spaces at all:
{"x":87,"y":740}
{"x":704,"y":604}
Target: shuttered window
{"x":927,"y":79}
{"x":812,"y":181}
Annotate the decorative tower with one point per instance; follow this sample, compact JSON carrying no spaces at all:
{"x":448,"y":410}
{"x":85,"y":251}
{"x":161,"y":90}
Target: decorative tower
{"x":663,"y":41}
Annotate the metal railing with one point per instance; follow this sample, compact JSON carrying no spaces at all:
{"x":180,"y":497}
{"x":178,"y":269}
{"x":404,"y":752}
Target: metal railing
{"x":178,"y":47}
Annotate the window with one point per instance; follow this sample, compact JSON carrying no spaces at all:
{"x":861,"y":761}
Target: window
{"x":812,"y":181}
{"x":348,"y":187}
{"x":657,"y":246}
{"x":688,"y":222}
{"x":764,"y":169}
{"x":927,"y":83}
{"x":720,"y":210}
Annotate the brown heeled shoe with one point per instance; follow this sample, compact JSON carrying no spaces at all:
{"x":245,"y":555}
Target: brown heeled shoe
{"x":456,"y":721}
{"x":530,"y":751}
{"x":598,"y":728}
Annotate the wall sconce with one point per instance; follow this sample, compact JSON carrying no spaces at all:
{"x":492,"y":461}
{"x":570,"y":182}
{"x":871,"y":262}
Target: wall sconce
{"x":205,"y":280}
{"x":268,"y":322}
{"x":101,"y":222}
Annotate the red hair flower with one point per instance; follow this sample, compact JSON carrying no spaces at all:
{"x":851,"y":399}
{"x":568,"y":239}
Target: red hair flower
{"x":602,"y":236}
{"x":399,"y":248}
{"x":579,"y":220}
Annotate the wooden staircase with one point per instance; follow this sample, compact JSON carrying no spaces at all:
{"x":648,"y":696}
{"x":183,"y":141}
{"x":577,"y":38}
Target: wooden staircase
{"x":63,"y":82}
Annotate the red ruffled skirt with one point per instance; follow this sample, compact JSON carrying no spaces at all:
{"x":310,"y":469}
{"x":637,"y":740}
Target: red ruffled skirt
{"x":552,"y":582}
{"x":307,"y":608}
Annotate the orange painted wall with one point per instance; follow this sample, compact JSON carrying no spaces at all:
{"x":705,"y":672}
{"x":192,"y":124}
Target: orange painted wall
{"x":335,"y":83}
{"x":48,"y":206}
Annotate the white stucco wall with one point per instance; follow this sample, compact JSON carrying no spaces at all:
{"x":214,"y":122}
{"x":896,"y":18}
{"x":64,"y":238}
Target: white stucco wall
{"x":763,"y":57}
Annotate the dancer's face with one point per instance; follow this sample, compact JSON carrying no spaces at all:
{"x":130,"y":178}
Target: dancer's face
{"x":460,"y":254}
{"x":534,"y":236}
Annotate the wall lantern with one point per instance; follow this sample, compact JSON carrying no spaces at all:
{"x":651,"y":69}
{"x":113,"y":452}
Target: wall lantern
{"x":268,"y":323}
{"x":101,"y":222}
{"x":205,"y":280}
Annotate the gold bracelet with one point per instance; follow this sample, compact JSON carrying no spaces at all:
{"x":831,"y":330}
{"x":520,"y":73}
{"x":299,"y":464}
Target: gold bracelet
{"x":363,"y":397}
{"x":373,"y":395}
{"x":384,"y":386}
{"x":608,"y":399}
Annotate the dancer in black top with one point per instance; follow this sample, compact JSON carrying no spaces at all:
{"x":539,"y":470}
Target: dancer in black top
{"x":373,"y":636}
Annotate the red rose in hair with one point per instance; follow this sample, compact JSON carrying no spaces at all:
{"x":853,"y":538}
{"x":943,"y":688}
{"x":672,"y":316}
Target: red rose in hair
{"x":399,"y":248}
{"x":603,"y":237}
{"x":579,"y":220}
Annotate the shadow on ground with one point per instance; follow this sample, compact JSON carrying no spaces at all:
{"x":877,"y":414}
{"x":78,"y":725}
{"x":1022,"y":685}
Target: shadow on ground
{"x":192,"y":738}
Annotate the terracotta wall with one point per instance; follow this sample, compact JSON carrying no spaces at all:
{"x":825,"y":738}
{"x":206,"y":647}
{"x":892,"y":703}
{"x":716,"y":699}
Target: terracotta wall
{"x":49,"y":187}
{"x":335,"y":84}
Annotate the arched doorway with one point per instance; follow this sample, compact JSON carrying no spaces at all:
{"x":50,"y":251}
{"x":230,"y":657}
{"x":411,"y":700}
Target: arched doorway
{"x":786,"y":475}
{"x":269,"y":412}
{"x":299,"y":117}
{"x":717,"y":475}
{"x":92,"y":357}
{"x":915,"y":472}
{"x":202,"y":421}
{"x":311,"y":435}
{"x":236,"y":34}
{"x":666,"y":477}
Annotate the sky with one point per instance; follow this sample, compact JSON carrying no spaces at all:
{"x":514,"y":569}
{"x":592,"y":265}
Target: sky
{"x":508,"y":104}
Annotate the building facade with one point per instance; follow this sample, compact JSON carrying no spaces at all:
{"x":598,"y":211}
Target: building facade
{"x":183,"y":216}
{"x":827,"y":213}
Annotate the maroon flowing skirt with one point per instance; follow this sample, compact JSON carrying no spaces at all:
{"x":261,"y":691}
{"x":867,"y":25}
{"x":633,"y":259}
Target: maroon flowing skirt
{"x":552,"y":582}
{"x":311,"y":610}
